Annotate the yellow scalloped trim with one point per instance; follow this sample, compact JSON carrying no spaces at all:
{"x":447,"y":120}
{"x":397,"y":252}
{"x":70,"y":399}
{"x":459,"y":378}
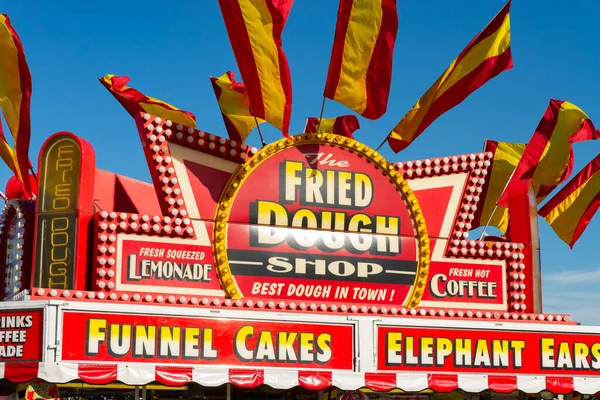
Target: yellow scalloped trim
{"x":238,"y":177}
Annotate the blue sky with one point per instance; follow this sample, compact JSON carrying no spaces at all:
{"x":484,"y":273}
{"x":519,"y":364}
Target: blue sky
{"x":169,"y":49}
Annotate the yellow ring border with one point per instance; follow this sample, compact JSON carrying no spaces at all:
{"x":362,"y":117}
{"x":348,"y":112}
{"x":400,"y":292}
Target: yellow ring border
{"x":238,"y":177}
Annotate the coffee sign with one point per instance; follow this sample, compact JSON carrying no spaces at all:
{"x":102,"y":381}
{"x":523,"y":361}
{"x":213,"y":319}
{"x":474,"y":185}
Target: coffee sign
{"x":321,"y":221}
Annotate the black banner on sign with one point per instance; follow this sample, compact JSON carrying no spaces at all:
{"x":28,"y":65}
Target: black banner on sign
{"x":321,"y":267}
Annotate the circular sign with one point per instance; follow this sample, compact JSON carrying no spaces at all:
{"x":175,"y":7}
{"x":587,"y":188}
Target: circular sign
{"x":321,"y":218}
{"x":39,"y":389}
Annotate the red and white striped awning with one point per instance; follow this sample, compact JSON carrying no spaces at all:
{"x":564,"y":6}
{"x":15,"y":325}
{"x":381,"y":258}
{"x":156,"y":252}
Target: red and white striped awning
{"x":141,"y":374}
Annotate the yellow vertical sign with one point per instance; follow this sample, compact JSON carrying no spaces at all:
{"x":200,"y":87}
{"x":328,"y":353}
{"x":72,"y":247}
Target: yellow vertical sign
{"x":59,"y":173}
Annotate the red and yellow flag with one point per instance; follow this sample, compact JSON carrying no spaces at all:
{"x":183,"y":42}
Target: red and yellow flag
{"x":343,"y":126}
{"x":15,"y":98}
{"x":235,"y":106}
{"x":548,"y":157}
{"x":135,"y":102}
{"x":570,"y":211}
{"x":505,"y":160}
{"x":360,"y":70}
{"x":6,"y":152}
{"x":485,"y":57}
{"x":254,"y":28}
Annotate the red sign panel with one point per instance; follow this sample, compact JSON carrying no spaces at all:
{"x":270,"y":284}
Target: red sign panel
{"x":177,"y":340}
{"x":464,"y":280}
{"x":21,"y":335}
{"x":462,"y":350}
{"x":155,"y":266}
{"x":326,"y":225}
{"x":460,"y":282}
{"x":313,"y":223}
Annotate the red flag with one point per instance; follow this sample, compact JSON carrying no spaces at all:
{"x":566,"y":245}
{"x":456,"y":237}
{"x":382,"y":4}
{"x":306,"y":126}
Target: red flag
{"x":570,"y":211}
{"x":360,"y":70}
{"x":344,"y":125}
{"x":235,"y":106}
{"x":503,"y":163}
{"x":135,"y":102}
{"x":485,"y":57}
{"x":548,"y":157}
{"x":15,"y":96}
{"x":6,"y":152}
{"x":254,"y":28}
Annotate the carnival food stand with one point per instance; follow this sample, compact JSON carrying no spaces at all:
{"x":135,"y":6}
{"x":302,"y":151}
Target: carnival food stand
{"x":344,"y":271}
{"x":309,"y":268}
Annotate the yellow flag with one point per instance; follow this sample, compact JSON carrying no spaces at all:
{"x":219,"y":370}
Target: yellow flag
{"x":505,"y":160}
{"x":15,"y":99}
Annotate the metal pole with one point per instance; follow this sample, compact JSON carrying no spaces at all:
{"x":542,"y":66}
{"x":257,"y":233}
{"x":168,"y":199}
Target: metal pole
{"x":382,"y":143}
{"x":257,"y":126}
{"x":34,"y":175}
{"x":321,"y":115}
{"x":259,"y":131}
{"x":496,"y":206}
{"x":305,"y":126}
{"x":488,"y":222}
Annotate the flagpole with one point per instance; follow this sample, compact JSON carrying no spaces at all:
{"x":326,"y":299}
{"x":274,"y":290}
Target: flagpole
{"x":321,"y":115}
{"x":496,"y":206}
{"x":382,"y":143}
{"x":257,"y":126}
{"x":34,"y":178}
{"x":488,"y":221}
{"x":259,"y":131}
{"x":33,"y":173}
